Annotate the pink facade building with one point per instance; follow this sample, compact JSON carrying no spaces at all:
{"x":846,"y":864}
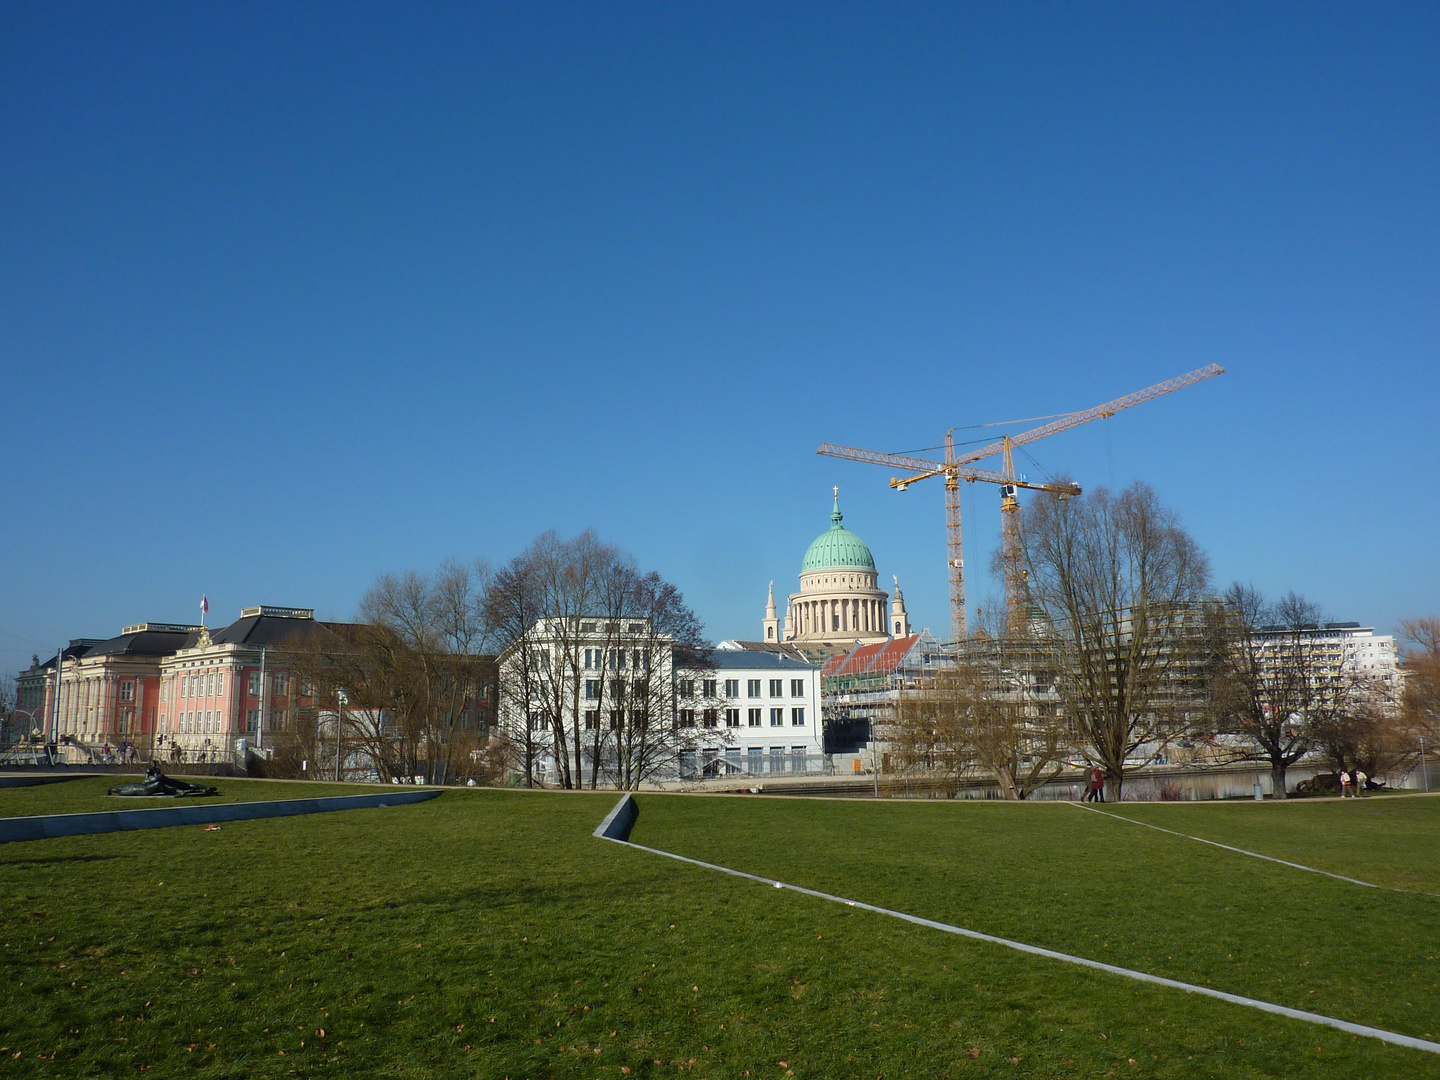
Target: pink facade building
{"x":227,"y":691}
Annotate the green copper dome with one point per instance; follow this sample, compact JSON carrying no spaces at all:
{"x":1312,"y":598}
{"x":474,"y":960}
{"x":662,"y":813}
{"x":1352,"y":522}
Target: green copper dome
{"x":837,"y":548}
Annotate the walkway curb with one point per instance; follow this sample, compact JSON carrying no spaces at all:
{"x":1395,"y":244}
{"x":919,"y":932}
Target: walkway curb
{"x":49,"y":826}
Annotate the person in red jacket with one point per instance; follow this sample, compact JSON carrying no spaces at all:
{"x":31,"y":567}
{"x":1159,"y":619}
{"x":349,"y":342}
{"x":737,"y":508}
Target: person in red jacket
{"x":1096,"y":793}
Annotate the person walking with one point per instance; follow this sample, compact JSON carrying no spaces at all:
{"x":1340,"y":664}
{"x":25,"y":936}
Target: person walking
{"x":1097,"y":786}
{"x":1360,"y":779}
{"x":1344,"y":784}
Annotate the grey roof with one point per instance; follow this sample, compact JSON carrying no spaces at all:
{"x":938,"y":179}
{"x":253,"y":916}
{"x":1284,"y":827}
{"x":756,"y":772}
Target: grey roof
{"x":267,"y":630}
{"x":146,"y":643}
{"x":736,"y":659}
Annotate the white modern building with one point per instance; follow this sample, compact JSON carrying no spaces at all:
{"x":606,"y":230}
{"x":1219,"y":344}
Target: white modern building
{"x":1336,"y":651}
{"x":757,"y":713}
{"x":624,"y":708}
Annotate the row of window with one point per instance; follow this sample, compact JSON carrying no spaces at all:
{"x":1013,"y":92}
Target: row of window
{"x":711,"y":718}
{"x":208,"y":723}
{"x":612,"y":628}
{"x":618,"y":689}
{"x":732,"y":688}
{"x":279,"y":683}
{"x":614,"y":659}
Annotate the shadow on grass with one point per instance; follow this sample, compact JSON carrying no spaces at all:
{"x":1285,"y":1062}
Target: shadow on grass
{"x":51,"y":860}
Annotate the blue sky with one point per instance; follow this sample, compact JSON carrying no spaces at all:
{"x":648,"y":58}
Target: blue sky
{"x":293,"y":295}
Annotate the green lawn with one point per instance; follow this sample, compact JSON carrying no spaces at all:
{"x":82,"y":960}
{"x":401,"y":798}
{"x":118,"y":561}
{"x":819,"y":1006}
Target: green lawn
{"x":486,"y":933}
{"x":87,"y":794}
{"x":1389,"y":840}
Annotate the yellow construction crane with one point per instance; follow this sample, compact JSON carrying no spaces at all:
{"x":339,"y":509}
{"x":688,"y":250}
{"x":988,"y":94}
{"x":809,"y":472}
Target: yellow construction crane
{"x":954,"y":469}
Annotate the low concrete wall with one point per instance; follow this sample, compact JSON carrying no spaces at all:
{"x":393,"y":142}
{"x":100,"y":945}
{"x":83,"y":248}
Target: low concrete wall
{"x":52,"y":825}
{"x":619,"y":821}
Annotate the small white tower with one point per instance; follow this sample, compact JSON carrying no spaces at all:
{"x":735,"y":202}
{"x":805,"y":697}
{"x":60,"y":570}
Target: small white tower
{"x":899,"y":621}
{"x":772,"y":620}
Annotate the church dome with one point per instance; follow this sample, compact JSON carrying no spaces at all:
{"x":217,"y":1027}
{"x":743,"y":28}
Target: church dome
{"x":837,"y":548}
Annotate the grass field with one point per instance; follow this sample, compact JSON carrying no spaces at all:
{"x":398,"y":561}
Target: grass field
{"x":487,"y":933}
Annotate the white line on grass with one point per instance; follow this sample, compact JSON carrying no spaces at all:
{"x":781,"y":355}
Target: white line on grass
{"x":1253,"y":854}
{"x":1050,"y":954}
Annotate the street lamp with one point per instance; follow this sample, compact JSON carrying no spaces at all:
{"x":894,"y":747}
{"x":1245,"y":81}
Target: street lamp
{"x":340,"y":700}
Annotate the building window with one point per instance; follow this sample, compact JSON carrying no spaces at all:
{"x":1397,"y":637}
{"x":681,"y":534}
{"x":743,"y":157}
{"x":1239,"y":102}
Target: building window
{"x":797,"y":717}
{"x":592,"y":689}
{"x":687,"y":763}
{"x":278,"y":719}
{"x":127,"y":690}
{"x":637,"y":628}
{"x":587,"y":627}
{"x":777,"y":687}
{"x":732,"y":717}
{"x":282,"y":682}
{"x":708,"y":687}
{"x":592,"y":719}
{"x":797,"y":687}
{"x":687,"y":688}
{"x":589,"y":655}
{"x":752,"y":687}
{"x":754,"y":718}
{"x":254,"y":684}
{"x":712,"y":717}
{"x":220,"y":684}
{"x":732,"y":688}
{"x":617,"y":719}
{"x":252,"y":720}
{"x":777,"y":717}
{"x":687,"y":717}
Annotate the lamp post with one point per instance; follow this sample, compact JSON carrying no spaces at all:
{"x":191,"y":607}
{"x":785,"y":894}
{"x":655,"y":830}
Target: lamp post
{"x":1424,"y":772}
{"x":340,"y":700}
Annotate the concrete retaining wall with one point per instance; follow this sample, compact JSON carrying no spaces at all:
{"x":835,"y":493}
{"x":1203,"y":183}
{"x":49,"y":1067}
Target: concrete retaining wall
{"x":51,"y":825}
{"x":619,"y":821}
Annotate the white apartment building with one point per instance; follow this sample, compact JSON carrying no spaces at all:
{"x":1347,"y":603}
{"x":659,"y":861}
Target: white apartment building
{"x":613,"y":687}
{"x":757,"y":714}
{"x":1336,"y":651}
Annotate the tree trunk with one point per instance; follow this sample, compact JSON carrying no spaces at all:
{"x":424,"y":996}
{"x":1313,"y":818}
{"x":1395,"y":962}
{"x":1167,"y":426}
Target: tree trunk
{"x":1277,"y":780}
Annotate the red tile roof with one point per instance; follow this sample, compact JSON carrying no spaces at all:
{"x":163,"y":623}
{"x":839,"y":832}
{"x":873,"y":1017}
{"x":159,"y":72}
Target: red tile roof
{"x":879,"y":659}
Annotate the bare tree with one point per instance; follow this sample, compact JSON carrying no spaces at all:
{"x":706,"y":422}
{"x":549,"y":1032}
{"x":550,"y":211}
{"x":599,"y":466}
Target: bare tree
{"x":414,"y":671}
{"x":589,"y":646}
{"x":1421,"y":702}
{"x":426,"y":636}
{"x":513,"y":607}
{"x":671,"y":642}
{"x":995,"y":711}
{"x":1121,"y":584}
{"x":1266,"y":683}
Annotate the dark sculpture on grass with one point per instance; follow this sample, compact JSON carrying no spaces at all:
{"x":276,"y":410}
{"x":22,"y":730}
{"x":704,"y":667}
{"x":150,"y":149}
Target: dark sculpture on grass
{"x":157,"y":783}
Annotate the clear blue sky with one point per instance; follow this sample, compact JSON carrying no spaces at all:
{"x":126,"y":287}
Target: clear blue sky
{"x":291,"y":295}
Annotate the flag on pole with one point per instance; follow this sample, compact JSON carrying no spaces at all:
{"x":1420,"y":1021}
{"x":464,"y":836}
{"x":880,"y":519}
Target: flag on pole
{"x":204,"y":605}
